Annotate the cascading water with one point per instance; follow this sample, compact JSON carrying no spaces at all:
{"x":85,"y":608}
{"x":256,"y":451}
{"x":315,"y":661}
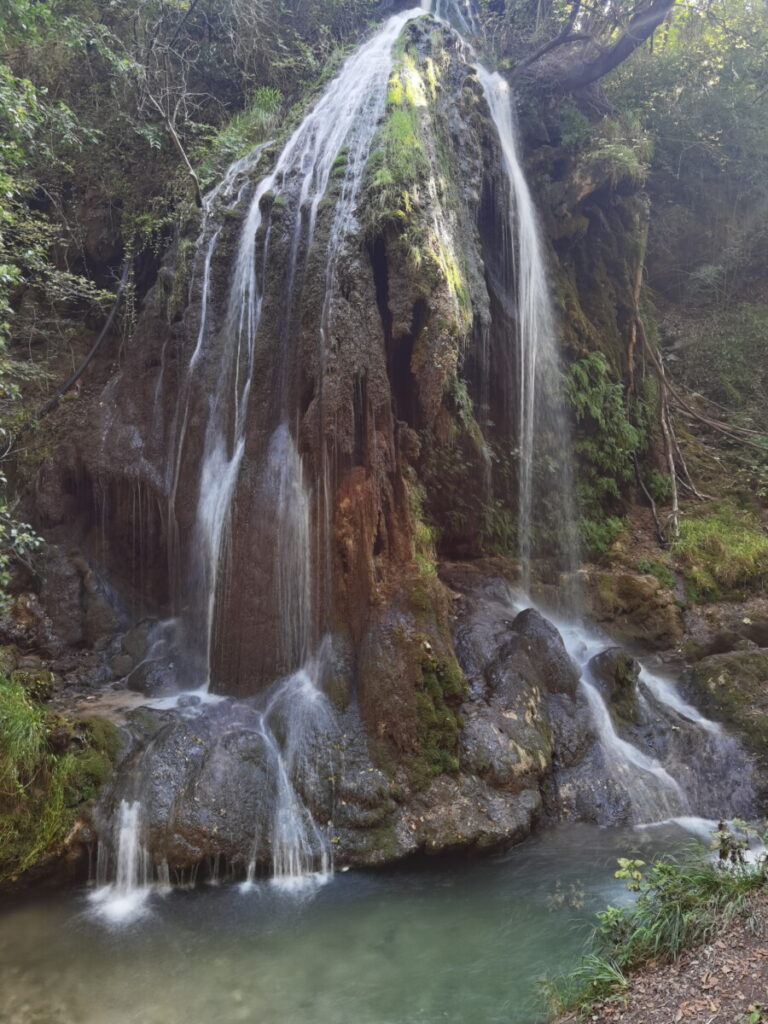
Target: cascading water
{"x":660,"y":782}
{"x":346,"y":116}
{"x":543,"y":432}
{"x":125,"y":898}
{"x":297,"y":719}
{"x":297,"y":724}
{"x":293,"y":721}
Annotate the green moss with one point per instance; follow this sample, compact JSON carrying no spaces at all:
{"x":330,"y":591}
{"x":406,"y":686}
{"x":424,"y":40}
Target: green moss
{"x":423,"y":535}
{"x":44,"y":789}
{"x":103,"y":736}
{"x":723,"y":553}
{"x":440,"y":690}
{"x":660,"y":570}
{"x":734,"y":687}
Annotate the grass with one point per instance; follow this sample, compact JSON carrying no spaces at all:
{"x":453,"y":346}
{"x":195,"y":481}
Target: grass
{"x":723,"y":553}
{"x":680,"y":904}
{"x":22,"y":739}
{"x":51,"y":768}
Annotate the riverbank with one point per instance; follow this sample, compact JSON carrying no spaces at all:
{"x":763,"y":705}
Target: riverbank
{"x":722,"y":982}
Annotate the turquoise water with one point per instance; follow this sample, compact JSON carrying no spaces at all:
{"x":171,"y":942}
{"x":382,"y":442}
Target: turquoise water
{"x":455,"y":942}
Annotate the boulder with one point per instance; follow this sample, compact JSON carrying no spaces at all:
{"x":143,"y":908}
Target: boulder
{"x":615,"y":673}
{"x":634,"y":607}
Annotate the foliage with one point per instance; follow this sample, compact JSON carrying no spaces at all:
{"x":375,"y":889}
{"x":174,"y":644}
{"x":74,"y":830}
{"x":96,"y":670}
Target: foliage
{"x":50,"y":768}
{"x":725,"y":357}
{"x":700,"y":92}
{"x":723,"y":552}
{"x":662,"y":572}
{"x":679,"y":904}
{"x":22,"y":739}
{"x":599,"y":534}
{"x":606,"y":443}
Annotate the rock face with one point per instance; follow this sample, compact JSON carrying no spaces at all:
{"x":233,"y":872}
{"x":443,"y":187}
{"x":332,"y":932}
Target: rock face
{"x":636,"y":608}
{"x":718,"y":628}
{"x":733,"y":688}
{"x":520,"y":746}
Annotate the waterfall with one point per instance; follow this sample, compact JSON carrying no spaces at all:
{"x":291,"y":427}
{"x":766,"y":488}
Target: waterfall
{"x":298,"y":726}
{"x":124,"y":899}
{"x":292,"y":718}
{"x":346,"y":116}
{"x":543,"y":432}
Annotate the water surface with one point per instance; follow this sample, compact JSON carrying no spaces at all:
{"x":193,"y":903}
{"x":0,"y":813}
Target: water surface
{"x":454,"y":942}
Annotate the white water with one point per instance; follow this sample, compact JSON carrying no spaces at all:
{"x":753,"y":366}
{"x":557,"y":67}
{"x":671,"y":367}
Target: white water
{"x":654,"y":793}
{"x":298,"y":726}
{"x":346,"y":116}
{"x":125,"y":899}
{"x":542,"y":428}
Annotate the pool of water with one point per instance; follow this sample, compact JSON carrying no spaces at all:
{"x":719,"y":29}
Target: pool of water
{"x":454,"y":942}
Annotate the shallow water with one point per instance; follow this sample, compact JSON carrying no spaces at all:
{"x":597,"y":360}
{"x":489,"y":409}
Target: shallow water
{"x":462,"y":942}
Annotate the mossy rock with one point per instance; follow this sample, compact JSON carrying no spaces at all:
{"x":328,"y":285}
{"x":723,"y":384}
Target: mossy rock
{"x":37,"y":683}
{"x":440,"y":690}
{"x":9,"y":659}
{"x":734,"y":688}
{"x":51,"y":769}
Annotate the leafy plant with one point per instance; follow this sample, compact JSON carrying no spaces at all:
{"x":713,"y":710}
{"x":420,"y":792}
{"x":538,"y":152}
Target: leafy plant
{"x":606,"y":444}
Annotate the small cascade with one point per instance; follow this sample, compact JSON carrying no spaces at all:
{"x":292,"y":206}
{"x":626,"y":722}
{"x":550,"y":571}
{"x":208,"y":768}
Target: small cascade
{"x":123,"y":900}
{"x":653,"y":793}
{"x":298,"y":726}
{"x":543,"y":432}
{"x":686,"y":767}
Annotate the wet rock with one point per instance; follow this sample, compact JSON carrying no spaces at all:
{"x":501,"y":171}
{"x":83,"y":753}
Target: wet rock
{"x":572,"y":729}
{"x":202,"y":784}
{"x":61,"y":593}
{"x":153,"y":678}
{"x":546,"y":650}
{"x":615,"y":673}
{"x":492,"y":748}
{"x":466,"y":813}
{"x":719,"y":628}
{"x":635,"y":608}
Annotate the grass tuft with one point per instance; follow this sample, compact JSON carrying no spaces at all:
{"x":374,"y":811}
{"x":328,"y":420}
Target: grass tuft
{"x":724,"y":553}
{"x":680,"y":904}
